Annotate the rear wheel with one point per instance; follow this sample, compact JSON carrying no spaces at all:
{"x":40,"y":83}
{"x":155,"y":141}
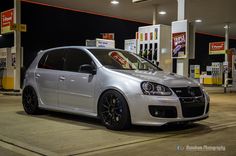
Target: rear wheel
{"x":30,"y":101}
{"x":114,"y":111}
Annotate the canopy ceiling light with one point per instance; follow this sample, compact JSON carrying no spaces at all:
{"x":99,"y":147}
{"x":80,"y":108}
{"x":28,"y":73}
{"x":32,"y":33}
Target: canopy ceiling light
{"x":115,"y":2}
{"x":162,"y":12}
{"x":138,"y":1}
{"x":198,"y":20}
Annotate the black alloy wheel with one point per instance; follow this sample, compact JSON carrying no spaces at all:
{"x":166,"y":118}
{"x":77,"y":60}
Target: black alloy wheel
{"x":30,"y":101}
{"x":114,"y":111}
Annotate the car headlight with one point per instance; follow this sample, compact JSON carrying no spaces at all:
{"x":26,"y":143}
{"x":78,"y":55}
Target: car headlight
{"x":151,"y":88}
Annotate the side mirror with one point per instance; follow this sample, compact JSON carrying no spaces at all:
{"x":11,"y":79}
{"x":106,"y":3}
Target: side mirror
{"x":88,"y":68}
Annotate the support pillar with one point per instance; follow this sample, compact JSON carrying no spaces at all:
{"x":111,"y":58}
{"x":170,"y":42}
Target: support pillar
{"x":182,"y":64}
{"x":181,"y":10}
{"x":17,"y":44}
{"x":155,"y":12}
{"x":226,"y":56}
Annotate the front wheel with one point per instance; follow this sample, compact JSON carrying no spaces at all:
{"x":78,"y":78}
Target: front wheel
{"x":113,"y":111}
{"x":30,"y":101}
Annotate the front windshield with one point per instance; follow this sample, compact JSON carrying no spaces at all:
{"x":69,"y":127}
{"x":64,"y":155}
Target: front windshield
{"x":123,"y":60}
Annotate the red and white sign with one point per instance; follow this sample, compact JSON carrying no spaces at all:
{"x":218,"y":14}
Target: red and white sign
{"x":108,"y":36}
{"x":216,"y":48}
{"x":7,"y":21}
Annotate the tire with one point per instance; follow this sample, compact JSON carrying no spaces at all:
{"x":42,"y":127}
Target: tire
{"x":113,"y":111}
{"x":30,"y":101}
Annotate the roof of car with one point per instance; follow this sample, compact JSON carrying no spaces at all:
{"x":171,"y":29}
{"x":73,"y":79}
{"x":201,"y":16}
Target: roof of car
{"x":79,"y":47}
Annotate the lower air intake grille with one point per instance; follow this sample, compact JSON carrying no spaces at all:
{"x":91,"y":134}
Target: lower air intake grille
{"x":192,"y":107}
{"x":192,"y":101}
{"x":163,"y":111}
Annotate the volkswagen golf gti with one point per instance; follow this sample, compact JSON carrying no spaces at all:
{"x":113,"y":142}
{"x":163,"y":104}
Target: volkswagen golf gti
{"x":116,"y":86}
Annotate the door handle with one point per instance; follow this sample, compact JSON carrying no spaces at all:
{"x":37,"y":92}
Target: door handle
{"x":37,"y":76}
{"x":62,"y":78}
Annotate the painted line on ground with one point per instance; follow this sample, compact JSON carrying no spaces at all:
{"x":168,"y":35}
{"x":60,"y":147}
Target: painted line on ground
{"x":145,"y":141}
{"x":25,"y":147}
{"x":223,"y":126}
{"x":108,"y":148}
{"x":18,"y":150}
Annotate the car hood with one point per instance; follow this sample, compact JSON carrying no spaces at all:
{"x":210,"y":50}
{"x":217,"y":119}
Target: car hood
{"x":161,"y":77}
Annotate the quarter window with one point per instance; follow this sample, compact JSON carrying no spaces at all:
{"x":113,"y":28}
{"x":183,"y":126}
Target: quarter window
{"x":42,"y":61}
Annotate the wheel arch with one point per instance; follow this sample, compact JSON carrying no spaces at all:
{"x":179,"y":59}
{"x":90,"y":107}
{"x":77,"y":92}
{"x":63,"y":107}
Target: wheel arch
{"x":110,"y":89}
{"x":29,"y":86}
{"x":32,"y":87}
{"x":31,"y":107}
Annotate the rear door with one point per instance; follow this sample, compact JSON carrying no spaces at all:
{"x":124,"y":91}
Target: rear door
{"x":47,"y":76}
{"x":77,"y":88}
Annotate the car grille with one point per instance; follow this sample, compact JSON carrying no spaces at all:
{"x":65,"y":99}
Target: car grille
{"x":188,"y":91}
{"x":192,"y":101}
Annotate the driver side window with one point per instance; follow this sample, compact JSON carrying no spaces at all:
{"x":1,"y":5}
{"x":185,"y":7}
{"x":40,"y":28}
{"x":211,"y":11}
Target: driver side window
{"x":75,"y":58}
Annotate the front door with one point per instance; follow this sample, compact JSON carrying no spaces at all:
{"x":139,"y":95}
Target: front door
{"x":76,"y":89}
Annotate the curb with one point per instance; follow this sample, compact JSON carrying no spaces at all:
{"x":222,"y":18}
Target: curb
{"x":10,"y":93}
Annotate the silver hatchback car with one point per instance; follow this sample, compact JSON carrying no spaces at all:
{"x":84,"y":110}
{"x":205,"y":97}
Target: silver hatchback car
{"x":114,"y":85}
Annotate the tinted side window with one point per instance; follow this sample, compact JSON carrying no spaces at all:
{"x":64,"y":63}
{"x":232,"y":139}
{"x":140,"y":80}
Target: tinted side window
{"x":75,"y":58}
{"x":53,"y":60}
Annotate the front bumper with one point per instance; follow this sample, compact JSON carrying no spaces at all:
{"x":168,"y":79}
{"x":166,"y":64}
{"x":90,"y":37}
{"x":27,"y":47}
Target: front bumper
{"x":175,"y":110}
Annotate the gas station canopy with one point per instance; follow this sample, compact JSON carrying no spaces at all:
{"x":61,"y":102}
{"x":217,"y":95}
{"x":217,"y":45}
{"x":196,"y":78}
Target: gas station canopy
{"x":215,"y":14}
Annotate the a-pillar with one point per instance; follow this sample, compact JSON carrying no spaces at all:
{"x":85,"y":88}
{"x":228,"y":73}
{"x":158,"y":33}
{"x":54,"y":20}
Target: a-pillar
{"x":182,"y":64}
{"x":17,"y":44}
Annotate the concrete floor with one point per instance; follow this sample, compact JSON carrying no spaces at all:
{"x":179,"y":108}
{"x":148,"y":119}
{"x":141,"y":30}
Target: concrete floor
{"x":63,"y":134}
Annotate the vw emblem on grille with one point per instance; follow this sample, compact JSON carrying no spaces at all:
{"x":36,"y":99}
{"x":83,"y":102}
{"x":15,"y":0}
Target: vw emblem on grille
{"x":190,"y":91}
{"x":178,"y":91}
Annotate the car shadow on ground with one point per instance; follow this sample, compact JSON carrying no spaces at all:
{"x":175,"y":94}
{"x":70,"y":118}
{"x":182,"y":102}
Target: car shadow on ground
{"x":95,"y":124}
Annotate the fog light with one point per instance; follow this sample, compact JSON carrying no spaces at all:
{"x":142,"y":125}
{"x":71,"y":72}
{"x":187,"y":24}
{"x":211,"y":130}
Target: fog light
{"x":156,"y":113}
{"x":163,"y":111}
